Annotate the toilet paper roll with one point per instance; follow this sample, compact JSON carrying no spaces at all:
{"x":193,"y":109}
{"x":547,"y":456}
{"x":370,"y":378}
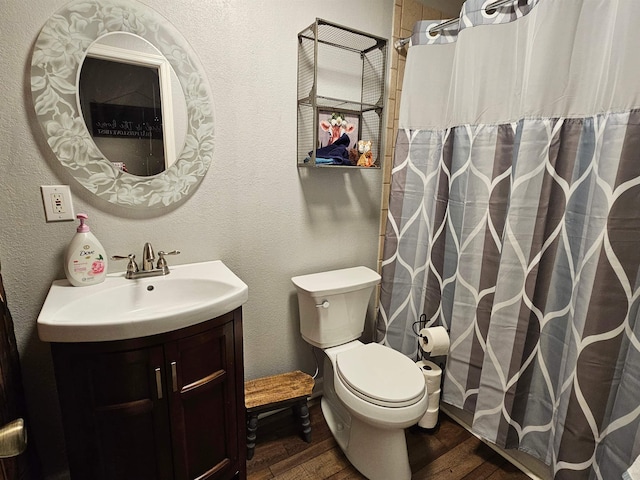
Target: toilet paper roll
{"x":434,"y":341}
{"x":429,"y":419}
{"x":432,"y":374}
{"x":434,"y":400}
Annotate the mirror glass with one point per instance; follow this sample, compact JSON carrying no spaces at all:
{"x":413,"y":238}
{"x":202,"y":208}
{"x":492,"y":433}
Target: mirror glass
{"x":132,"y":104}
{"x":123,"y":102}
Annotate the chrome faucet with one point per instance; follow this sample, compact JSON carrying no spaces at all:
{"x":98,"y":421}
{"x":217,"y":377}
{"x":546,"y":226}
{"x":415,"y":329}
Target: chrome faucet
{"x":147,"y":257}
{"x":148,"y":269}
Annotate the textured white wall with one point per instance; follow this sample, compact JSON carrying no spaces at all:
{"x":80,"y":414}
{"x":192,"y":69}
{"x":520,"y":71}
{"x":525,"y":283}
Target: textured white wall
{"x":254,"y":210}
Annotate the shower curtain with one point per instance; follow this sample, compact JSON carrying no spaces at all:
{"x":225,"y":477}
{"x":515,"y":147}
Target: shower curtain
{"x":514,"y":221}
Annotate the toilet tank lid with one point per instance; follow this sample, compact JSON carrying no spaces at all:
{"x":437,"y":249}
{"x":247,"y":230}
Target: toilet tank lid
{"x":337,"y":281}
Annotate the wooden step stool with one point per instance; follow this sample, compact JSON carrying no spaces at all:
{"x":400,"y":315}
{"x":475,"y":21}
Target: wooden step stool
{"x":271,"y":393}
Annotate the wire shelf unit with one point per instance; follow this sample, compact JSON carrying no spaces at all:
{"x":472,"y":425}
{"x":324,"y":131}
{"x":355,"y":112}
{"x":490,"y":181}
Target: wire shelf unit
{"x":340,"y":71}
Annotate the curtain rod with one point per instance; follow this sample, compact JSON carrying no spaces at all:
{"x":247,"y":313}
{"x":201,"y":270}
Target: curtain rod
{"x":441,"y":26}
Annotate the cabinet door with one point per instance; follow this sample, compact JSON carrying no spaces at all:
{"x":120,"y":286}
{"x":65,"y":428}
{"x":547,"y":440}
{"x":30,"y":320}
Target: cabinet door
{"x":116,"y":415}
{"x":203,"y":404}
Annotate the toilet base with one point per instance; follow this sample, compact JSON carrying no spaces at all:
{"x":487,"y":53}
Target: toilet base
{"x":377,"y":453}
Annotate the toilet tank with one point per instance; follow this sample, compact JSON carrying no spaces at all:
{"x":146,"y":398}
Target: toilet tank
{"x":333,"y":304}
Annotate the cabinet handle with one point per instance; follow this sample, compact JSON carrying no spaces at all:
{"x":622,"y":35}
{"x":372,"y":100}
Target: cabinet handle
{"x":159,"y":383}
{"x":174,"y":376}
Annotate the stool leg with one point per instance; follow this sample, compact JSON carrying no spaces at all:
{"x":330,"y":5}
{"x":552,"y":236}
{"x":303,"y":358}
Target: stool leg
{"x":306,"y":423}
{"x":252,"y":427}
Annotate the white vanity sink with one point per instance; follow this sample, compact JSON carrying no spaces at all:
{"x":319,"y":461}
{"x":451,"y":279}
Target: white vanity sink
{"x":121,"y":308}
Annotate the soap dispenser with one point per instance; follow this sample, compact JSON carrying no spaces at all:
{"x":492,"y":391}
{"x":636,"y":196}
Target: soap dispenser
{"x":85,"y":262}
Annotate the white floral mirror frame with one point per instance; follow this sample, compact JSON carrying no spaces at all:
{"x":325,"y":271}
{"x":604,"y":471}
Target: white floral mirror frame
{"x":57,"y":58}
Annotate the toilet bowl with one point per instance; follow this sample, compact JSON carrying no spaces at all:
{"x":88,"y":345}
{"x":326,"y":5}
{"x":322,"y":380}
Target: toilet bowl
{"x":367,"y":410}
{"x":371,"y":393}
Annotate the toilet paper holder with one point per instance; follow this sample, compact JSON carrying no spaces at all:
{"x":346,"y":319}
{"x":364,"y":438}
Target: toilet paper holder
{"x":423,"y":340}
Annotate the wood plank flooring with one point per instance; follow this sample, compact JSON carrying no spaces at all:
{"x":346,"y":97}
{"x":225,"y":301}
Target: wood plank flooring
{"x":450,"y":454}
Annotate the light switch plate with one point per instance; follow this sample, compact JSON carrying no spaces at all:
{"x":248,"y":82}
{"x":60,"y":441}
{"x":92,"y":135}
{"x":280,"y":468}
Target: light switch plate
{"x":57,"y":202}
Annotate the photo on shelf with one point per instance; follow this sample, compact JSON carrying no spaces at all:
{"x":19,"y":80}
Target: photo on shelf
{"x":333,"y":124}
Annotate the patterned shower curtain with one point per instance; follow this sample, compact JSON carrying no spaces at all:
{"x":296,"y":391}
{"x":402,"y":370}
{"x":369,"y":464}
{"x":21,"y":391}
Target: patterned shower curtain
{"x":514,"y":221}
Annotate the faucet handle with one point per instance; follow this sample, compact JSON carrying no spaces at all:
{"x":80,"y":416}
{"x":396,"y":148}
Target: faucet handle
{"x":162,"y":263}
{"x":132,"y":266}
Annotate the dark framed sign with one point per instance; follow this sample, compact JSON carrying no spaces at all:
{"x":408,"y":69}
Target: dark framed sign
{"x":125,"y":121}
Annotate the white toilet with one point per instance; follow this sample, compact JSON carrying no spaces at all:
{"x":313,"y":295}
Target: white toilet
{"x":371,"y":392}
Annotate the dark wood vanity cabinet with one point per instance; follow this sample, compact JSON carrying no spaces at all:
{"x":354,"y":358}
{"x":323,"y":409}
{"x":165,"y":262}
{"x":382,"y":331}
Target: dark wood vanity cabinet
{"x":165,"y":407}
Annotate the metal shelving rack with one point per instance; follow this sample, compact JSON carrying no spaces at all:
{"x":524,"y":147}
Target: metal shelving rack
{"x":340,"y":70}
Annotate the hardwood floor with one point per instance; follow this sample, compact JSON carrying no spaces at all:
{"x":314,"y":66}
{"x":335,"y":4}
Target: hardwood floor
{"x":450,"y":454}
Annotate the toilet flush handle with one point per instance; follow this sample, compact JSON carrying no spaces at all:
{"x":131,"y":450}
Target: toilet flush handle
{"x":324,"y":304}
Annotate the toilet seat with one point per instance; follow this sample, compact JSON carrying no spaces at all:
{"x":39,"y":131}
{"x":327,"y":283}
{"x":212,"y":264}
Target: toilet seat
{"x":380,"y":375}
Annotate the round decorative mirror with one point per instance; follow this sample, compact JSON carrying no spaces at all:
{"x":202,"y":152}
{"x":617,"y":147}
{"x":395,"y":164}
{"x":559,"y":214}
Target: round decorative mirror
{"x":143,"y":141}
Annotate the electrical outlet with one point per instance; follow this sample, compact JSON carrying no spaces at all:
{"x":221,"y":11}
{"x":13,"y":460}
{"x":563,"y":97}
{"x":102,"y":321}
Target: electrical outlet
{"x":57,"y":202}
